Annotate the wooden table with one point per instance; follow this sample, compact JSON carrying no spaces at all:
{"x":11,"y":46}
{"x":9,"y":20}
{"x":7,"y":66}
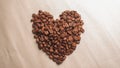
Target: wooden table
{"x":99,"y":46}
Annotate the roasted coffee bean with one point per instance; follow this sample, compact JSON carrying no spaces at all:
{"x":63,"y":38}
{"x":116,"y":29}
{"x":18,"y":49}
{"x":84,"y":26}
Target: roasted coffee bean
{"x":51,"y":49}
{"x":70,"y":38}
{"x":50,"y":56}
{"x":57,"y":38}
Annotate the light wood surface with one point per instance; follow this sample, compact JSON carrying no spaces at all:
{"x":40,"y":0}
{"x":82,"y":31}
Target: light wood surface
{"x":99,"y":46}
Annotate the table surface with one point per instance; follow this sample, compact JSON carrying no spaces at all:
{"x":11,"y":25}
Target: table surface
{"x":99,"y":46}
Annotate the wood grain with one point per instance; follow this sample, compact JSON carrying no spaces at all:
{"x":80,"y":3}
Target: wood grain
{"x":99,"y":46}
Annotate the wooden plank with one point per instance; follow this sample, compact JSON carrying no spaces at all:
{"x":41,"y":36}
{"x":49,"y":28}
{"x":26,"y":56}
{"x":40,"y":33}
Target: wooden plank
{"x":99,"y":47}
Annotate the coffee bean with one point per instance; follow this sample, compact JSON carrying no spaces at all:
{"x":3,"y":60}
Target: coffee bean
{"x":50,"y":56}
{"x":70,"y":38}
{"x":51,"y":49}
{"x":57,"y":38}
{"x":46,"y":32}
{"x":73,"y":44}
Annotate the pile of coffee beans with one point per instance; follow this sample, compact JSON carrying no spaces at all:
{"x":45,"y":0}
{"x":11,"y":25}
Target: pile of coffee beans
{"x":57,"y":38}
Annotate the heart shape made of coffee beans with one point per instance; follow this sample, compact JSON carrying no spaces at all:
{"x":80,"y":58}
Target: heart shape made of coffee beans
{"x":57,"y":38}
